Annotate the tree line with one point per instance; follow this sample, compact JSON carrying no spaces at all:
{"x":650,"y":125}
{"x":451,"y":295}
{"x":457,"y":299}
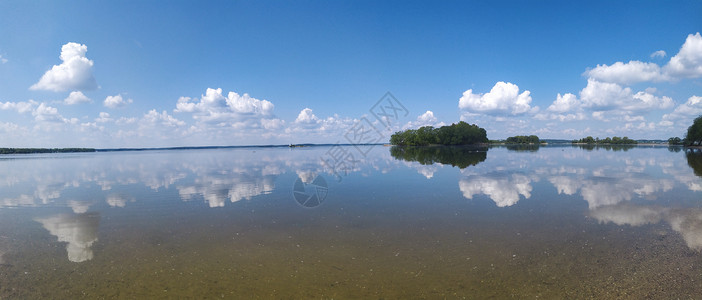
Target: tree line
{"x":460,"y":133}
{"x":43,"y":150}
{"x":606,"y":141}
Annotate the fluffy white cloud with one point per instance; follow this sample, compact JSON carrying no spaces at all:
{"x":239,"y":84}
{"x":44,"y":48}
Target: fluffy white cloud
{"x":659,"y":53}
{"x":116,"y":101}
{"x":602,"y":96}
{"x":565,"y":103}
{"x":76,"y":97}
{"x":20,"y":107}
{"x":9,"y":127}
{"x":74,"y":73}
{"x":688,"y":62}
{"x":684,"y":113}
{"x":323,"y":128}
{"x":231,"y":119}
{"x":104,"y":118}
{"x":626,"y":73}
{"x":3,"y":60}
{"x":503,"y":99}
{"x":214,"y":107}
{"x":425,"y":119}
{"x":45,"y":113}
{"x":163,"y":118}
{"x":307,"y":117}
{"x":272,"y":124}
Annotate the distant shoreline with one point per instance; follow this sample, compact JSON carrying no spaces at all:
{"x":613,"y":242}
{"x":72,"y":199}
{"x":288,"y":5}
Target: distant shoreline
{"x":9,"y":151}
{"x":44,"y":150}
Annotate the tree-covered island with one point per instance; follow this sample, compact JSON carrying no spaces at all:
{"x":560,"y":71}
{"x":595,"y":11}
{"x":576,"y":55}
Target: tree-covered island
{"x":460,"y":133}
{"x":519,"y":139}
{"x":606,"y":141}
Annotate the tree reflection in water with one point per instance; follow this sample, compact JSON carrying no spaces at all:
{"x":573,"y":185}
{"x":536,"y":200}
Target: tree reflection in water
{"x":457,"y":156}
{"x":694,"y":160}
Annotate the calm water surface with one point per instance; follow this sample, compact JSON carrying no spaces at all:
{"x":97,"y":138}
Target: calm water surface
{"x":549,"y":222}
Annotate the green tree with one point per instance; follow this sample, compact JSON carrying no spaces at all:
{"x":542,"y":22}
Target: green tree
{"x":694,"y":132}
{"x":674,"y":141}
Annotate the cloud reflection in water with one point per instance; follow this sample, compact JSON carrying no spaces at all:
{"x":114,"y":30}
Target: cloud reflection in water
{"x":79,"y":231}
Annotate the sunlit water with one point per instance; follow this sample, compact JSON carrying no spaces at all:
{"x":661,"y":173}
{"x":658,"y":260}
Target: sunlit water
{"x":551,"y":222}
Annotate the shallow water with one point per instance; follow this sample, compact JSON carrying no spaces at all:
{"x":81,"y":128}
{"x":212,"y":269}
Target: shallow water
{"x":548,"y":222}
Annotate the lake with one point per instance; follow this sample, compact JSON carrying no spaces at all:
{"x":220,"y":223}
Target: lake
{"x":433,"y":222}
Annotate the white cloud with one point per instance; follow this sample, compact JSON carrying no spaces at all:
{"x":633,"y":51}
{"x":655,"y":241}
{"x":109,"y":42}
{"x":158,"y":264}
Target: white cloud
{"x":104,"y":118}
{"x":692,"y":107}
{"x":684,"y":113}
{"x":603,"y":96}
{"x":214,"y":107}
{"x":153,"y":117}
{"x":20,"y":107}
{"x":3,"y":60}
{"x":76,"y":97}
{"x":74,"y":73}
{"x":45,"y":113}
{"x":425,"y":119}
{"x":626,"y":73}
{"x":567,"y":102}
{"x":306,"y":116}
{"x":272,"y":124}
{"x":116,"y":101}
{"x":503,"y":99}
{"x":126,"y":121}
{"x":659,"y":53}
{"x":10,"y":127}
{"x":688,"y":62}
{"x":308,"y":123}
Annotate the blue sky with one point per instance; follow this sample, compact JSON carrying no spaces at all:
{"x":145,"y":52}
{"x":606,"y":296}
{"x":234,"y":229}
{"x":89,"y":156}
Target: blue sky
{"x":177,"y":73}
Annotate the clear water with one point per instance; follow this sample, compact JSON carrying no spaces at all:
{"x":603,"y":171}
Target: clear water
{"x":549,"y":222}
